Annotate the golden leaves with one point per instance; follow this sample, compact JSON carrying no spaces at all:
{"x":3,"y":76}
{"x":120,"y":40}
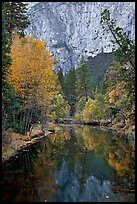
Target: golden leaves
{"x":31,"y":70}
{"x":92,"y":111}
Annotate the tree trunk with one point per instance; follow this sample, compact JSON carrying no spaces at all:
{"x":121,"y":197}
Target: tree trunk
{"x":43,"y":119}
{"x":85,"y":88}
{"x":27,"y":120}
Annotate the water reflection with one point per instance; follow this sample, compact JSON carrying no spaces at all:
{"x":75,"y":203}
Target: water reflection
{"x":79,"y":164}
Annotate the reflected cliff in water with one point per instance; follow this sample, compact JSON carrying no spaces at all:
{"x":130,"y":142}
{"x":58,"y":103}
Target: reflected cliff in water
{"x":77,"y":164}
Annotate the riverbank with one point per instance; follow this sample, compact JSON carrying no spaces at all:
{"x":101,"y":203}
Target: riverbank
{"x":127,"y":131}
{"x":119,"y":127}
{"x":14,"y":142}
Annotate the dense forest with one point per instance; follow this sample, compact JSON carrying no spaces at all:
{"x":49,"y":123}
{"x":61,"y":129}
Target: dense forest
{"x":34,"y":92}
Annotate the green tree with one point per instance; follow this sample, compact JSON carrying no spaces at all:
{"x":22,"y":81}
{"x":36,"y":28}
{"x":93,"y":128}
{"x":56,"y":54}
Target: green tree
{"x":80,"y":105}
{"x":15,"y":14}
{"x":70,"y":89}
{"x":6,"y":59}
{"x":126,"y":45}
{"x":6,"y":62}
{"x":82,"y":84}
{"x":61,"y":78}
{"x":10,"y":103}
{"x":100,"y":99}
{"x":60,"y":108}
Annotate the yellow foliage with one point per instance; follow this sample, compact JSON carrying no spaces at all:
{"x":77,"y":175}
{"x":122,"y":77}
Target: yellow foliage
{"x":31,"y":71}
{"x":92,"y":111}
{"x":118,"y":95}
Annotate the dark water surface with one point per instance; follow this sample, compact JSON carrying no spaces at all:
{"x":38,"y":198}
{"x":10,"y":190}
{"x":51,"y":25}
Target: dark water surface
{"x":77,"y":164}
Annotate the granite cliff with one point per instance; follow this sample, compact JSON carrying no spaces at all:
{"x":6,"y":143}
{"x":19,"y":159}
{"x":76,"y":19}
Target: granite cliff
{"x":72,"y":29}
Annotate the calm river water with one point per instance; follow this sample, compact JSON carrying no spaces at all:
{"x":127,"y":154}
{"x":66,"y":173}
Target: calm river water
{"x":79,"y":164}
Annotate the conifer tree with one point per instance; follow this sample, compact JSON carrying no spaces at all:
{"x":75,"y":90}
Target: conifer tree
{"x":83,"y":79}
{"x":126,"y":51}
{"x":16,"y":18}
{"x":61,"y":78}
{"x":6,"y":62}
{"x":6,"y":59}
{"x":70,"y":89}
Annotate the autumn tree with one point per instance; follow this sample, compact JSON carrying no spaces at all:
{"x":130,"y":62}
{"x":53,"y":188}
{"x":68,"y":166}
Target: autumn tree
{"x":32,"y":76}
{"x":93,"y":110}
{"x":125,"y":53}
{"x":124,"y":68}
{"x":116,"y":90}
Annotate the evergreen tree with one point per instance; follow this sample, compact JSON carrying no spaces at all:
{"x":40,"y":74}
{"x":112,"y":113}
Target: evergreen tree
{"x":83,"y":84}
{"x":6,"y":60}
{"x":16,"y":19}
{"x":126,"y":51}
{"x":70,"y":89}
{"x":61,"y":78}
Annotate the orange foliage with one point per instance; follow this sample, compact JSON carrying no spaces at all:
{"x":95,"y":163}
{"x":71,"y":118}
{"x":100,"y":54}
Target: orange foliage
{"x":31,"y":71}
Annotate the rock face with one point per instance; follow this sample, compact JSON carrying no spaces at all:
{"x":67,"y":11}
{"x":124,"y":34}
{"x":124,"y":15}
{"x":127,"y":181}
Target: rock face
{"x":72,"y":29}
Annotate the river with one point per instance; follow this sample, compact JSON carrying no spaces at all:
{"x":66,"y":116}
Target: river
{"x":77,"y":164}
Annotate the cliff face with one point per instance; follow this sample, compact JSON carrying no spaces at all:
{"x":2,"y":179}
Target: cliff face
{"x":72,"y":29}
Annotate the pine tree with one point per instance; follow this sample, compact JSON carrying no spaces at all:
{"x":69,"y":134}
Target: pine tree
{"x":6,"y":62}
{"x":126,"y":51}
{"x":16,"y":18}
{"x":6,"y":59}
{"x":61,"y":78}
{"x":83,"y":79}
{"x":70,"y":89}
